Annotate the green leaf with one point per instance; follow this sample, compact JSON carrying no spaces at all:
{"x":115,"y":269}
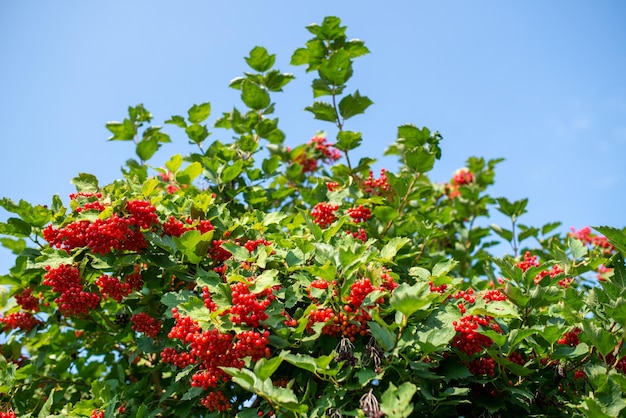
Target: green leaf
{"x":385,"y":213}
{"x":435,"y":339}
{"x":254,"y":96}
{"x":337,"y":69}
{"x":174,"y":163}
{"x":396,"y":401}
{"x":47,"y":406}
{"x":85,"y":182}
{"x":322,"y":111}
{"x":264,"y":368}
{"x":199,"y":113}
{"x":615,"y":236}
{"x":329,"y":30}
{"x":348,"y":140}
{"x":122,"y":131}
{"x":189,"y":173}
{"x":275,"y":80}
{"x":260,"y":60}
{"x":409,"y":299}
{"x":389,"y":251}
{"x":382,"y":335}
{"x":147,"y":148}
{"x":419,"y":160}
{"x":353,"y":104}
{"x":232,"y":171}
{"x":444,"y":267}
{"x":240,"y":253}
{"x":282,"y":397}
{"x":178,"y":121}
{"x":578,"y":249}
{"x":197,"y":133}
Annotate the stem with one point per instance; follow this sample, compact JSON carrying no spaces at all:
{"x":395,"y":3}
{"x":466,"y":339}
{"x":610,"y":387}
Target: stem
{"x":514,"y":242}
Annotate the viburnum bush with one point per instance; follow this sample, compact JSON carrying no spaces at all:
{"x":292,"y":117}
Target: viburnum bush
{"x":252,"y":279}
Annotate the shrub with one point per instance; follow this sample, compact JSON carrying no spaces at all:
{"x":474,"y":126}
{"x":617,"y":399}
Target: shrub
{"x":253,"y":279}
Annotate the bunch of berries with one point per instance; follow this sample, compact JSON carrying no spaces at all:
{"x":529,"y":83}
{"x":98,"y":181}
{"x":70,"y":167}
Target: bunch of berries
{"x":74,"y":300}
{"x":377,"y":186}
{"x":175,"y":228}
{"x":248,"y":307}
{"x":144,"y":323}
{"x":216,"y":401}
{"x":360,"y":213}
{"x":467,"y":339}
{"x":570,"y":338}
{"x":24,"y":321}
{"x":112,"y":287}
{"x":324,"y":213}
{"x":482,"y":366}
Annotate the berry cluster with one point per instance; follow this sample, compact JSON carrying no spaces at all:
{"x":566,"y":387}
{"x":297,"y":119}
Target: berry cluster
{"x":516,"y":358}
{"x":462,"y":177}
{"x":175,"y":228}
{"x":91,"y":201}
{"x":251,"y":245}
{"x":360,"y":213}
{"x":531,"y":261}
{"x":74,"y":300}
{"x":9,"y":414}
{"x":317,"y":150}
{"x":361,"y":235}
{"x":142,"y":322}
{"x":112,"y":287}
{"x":482,"y":366}
{"x":24,"y":321}
{"x":332,"y":186}
{"x":96,"y":413}
{"x":142,"y":214}
{"x":324,"y":213}
{"x":216,"y":401}
{"x":588,"y":238}
{"x":115,"y":233}
{"x":253,"y":344}
{"x":376,"y":186}
{"x":438,"y":289}
{"x":217,"y":253}
{"x":468,"y":340}
{"x":570,"y":338}
{"x":27,"y":300}
{"x":493,"y":295}
{"x":248,"y":307}
{"x":177,"y":358}
{"x":359,"y":291}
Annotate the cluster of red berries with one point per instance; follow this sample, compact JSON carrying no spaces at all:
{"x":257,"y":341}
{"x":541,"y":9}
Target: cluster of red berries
{"x":251,"y":245}
{"x":376,"y":186}
{"x":175,"y":228}
{"x":531,"y":261}
{"x":116,"y":233}
{"x":142,"y":214}
{"x":179,"y":359}
{"x":468,"y":339}
{"x":339,"y":324}
{"x":112,"y":287}
{"x":462,"y":177}
{"x":144,"y":323}
{"x":360,"y":213}
{"x":253,"y":344}
{"x":493,"y":295}
{"x":92,"y":201}
{"x":74,"y":300}
{"x":467,"y":296}
{"x":96,"y":413}
{"x":27,"y":300}
{"x":208,"y":301}
{"x":438,"y":289}
{"x":216,"y":401}
{"x":482,"y":366}
{"x":317,"y":150}
{"x":332,"y":186}
{"x":517,"y":358}
{"x":324,"y":213}
{"x":217,"y":253}
{"x":588,"y":238}
{"x":24,"y":321}
{"x":361,"y":235}
{"x":359,"y":291}
{"x":248,"y":307}
{"x":570,"y":338}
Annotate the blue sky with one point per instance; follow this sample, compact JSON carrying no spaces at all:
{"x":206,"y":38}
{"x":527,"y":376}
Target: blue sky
{"x":541,"y":84}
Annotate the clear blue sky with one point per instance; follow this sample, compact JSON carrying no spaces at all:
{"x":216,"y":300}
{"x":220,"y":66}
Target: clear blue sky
{"x":541,"y":84}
